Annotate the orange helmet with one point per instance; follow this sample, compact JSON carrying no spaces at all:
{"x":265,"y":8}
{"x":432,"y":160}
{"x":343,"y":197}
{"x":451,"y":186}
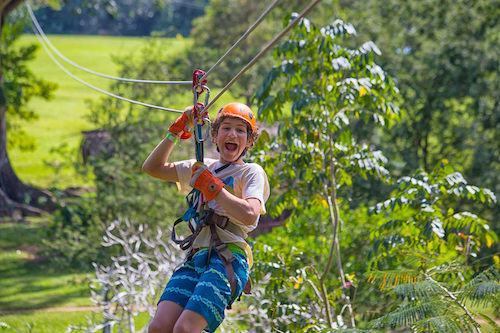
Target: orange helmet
{"x":238,"y":110}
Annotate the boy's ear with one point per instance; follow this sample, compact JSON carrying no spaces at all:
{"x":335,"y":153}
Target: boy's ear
{"x":249,"y":142}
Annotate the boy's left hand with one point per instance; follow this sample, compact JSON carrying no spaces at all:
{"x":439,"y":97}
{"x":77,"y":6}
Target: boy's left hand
{"x":182,"y":125}
{"x":206,"y":182}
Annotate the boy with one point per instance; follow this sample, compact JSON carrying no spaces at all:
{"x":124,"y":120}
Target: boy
{"x":197,"y":293}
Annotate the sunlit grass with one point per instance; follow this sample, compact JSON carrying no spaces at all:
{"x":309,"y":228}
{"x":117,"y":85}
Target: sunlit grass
{"x":43,"y":322}
{"x":27,"y":281}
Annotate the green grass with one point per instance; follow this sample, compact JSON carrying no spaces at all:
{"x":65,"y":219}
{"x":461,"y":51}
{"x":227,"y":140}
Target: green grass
{"x":54,"y":321}
{"x":27,"y":282}
{"x":63,"y":118}
{"x":43,"y":322}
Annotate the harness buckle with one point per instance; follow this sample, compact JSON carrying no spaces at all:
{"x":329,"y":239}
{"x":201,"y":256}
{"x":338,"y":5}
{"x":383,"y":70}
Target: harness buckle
{"x":225,"y":253}
{"x":221,"y":221}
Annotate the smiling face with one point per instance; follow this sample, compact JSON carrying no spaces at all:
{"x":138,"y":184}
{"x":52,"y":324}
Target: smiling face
{"x":232,"y":139}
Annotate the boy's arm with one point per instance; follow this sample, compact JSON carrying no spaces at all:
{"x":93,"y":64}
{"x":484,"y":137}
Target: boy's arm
{"x":157,"y":164}
{"x":244,"y":210}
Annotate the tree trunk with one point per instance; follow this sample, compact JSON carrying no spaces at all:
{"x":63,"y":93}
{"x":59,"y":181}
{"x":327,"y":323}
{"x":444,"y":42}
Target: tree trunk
{"x":15,"y":197}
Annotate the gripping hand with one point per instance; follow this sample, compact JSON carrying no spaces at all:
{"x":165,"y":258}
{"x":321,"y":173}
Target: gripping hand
{"x":183,"y":124}
{"x":206,"y":182}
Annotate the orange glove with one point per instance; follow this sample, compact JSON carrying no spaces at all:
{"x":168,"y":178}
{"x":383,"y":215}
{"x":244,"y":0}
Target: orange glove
{"x":205,"y":181}
{"x":183,"y":124}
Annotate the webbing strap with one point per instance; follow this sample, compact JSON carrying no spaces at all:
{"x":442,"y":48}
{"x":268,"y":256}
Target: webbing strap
{"x":226,"y":257}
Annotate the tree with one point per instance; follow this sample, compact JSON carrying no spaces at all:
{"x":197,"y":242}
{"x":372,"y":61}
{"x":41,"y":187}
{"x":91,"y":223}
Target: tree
{"x":17,"y":86}
{"x":316,"y":153}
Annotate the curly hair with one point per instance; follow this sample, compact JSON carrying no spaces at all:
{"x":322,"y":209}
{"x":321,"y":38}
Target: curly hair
{"x":252,"y":136}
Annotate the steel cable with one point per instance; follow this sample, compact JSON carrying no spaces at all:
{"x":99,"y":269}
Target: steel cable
{"x":95,"y":88}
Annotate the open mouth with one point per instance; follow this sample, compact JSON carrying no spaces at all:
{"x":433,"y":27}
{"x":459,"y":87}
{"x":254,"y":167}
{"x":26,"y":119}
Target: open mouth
{"x":231,"y":146}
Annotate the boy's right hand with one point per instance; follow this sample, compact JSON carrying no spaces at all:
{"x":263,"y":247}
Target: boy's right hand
{"x":183,"y":124}
{"x":205,"y":181}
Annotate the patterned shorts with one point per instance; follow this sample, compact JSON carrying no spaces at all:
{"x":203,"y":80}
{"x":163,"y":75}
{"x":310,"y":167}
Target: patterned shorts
{"x":206,"y":289}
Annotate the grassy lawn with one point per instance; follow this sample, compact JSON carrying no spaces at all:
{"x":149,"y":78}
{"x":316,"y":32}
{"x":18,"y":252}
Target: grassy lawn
{"x":43,"y":322}
{"x":63,"y":118}
{"x":28,"y":285}
{"x":27,"y":282}
{"x":53,"y":321}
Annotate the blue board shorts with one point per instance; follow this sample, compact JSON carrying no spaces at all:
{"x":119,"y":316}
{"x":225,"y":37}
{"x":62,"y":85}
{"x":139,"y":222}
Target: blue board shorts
{"x":206,"y":289}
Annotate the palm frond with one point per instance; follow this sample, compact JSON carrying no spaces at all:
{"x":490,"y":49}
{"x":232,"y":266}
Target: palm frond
{"x":356,"y":330}
{"x":447,"y":323}
{"x":417,"y":289}
{"x":411,"y":313}
{"x":484,"y":288}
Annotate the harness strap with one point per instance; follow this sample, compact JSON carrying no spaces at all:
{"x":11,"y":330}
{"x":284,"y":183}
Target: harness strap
{"x":225,"y":255}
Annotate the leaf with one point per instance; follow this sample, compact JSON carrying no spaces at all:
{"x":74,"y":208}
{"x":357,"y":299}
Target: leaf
{"x":363,"y":91}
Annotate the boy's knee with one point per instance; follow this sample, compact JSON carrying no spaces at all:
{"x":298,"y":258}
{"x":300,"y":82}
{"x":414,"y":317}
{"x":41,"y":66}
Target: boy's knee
{"x":156,"y":327}
{"x":183,"y":326}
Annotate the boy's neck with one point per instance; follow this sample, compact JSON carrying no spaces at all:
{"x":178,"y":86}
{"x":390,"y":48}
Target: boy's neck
{"x":238,"y":161}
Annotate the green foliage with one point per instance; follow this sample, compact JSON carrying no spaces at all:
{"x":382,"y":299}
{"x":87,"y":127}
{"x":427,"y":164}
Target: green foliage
{"x":20,"y":85}
{"x":425,"y":248}
{"x":325,"y":99}
{"x":72,"y":237}
{"x":420,"y":217}
{"x":224,"y":22}
{"x":483,"y":288}
{"x":444,"y":57}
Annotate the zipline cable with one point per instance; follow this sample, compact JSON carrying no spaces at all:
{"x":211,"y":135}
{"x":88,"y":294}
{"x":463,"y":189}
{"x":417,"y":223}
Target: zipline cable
{"x":54,"y":49}
{"x":264,"y":50}
{"x":268,"y":10}
{"x":95,"y":88}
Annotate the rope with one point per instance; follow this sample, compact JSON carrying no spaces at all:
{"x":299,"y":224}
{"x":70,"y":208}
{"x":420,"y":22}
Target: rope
{"x":93,"y":87}
{"x":268,"y":10}
{"x":54,"y":49}
{"x":264,"y":50}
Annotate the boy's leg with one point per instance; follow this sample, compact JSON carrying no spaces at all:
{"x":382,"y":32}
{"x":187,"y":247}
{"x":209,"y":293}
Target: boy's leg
{"x":167,"y":314}
{"x":190,"y":322}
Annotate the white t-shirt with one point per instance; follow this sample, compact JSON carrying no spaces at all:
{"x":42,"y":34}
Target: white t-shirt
{"x":247,"y":180}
